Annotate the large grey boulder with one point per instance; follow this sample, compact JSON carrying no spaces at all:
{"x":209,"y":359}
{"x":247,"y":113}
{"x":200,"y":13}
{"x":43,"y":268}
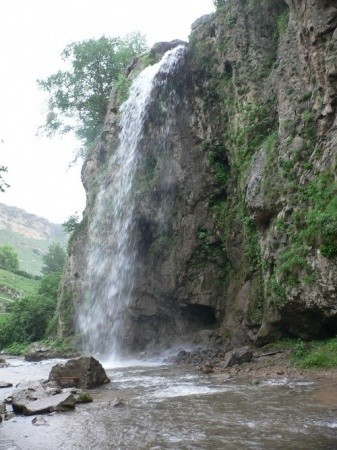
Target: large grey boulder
{"x":83,"y":372}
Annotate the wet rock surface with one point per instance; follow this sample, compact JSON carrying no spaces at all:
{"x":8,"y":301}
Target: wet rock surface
{"x":58,"y":402}
{"x":40,"y":397}
{"x":83,"y":372}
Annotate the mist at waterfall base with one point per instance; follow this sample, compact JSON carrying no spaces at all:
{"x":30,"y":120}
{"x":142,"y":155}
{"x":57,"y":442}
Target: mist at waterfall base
{"x":112,"y":254}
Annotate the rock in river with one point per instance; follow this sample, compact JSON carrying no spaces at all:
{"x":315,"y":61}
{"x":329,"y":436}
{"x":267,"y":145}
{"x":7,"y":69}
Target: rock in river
{"x":37,"y":399}
{"x":83,"y":372}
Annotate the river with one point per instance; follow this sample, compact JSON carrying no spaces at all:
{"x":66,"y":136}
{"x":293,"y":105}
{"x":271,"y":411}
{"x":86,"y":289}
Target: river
{"x":173,"y":407}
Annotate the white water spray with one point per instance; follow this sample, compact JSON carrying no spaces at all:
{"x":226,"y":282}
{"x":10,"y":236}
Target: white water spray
{"x":108,"y":280}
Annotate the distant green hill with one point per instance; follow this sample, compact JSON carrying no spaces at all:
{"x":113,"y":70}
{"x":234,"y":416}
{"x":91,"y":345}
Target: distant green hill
{"x":14,"y":286}
{"x":29,"y":235}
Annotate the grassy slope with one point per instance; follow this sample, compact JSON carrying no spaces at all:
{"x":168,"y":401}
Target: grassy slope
{"x":30,"y":251}
{"x":13,"y":281}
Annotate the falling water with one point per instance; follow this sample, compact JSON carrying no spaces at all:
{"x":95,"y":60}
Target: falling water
{"x":112,"y":254}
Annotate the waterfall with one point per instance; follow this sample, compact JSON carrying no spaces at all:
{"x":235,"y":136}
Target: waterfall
{"x":111,"y":253}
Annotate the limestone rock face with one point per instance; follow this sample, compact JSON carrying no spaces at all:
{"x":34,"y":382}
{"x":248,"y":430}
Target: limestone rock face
{"x":235,"y":211}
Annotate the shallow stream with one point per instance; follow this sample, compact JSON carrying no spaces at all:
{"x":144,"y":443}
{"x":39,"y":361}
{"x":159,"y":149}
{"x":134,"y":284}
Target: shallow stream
{"x":170,"y":407}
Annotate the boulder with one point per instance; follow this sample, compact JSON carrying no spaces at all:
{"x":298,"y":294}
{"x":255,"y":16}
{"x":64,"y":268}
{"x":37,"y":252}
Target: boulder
{"x":83,"y":372}
{"x":59,"y":402}
{"x":237,"y":356}
{"x":37,"y":398}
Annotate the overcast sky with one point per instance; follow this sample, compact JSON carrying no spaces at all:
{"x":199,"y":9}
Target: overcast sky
{"x":33,"y":34}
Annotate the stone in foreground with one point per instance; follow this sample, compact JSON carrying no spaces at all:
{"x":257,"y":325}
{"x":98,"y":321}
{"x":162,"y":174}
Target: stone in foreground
{"x":37,"y":398}
{"x":83,"y":372}
{"x":4,"y":384}
{"x":59,"y":402}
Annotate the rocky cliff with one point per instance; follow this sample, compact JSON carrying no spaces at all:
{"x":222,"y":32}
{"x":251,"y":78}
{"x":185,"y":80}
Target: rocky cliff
{"x":235,"y":195}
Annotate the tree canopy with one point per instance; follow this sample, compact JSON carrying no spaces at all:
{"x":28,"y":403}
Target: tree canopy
{"x":71,"y":224}
{"x":78,"y":97}
{"x":8,"y":258}
{"x":54,"y":259}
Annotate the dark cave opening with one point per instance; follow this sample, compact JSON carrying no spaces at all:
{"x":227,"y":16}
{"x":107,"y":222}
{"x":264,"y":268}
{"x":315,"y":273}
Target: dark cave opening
{"x":198,"y":316}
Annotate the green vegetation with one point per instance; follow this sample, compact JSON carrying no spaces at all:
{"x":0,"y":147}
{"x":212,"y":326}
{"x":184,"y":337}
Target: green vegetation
{"x":320,"y":218}
{"x":254,"y":126}
{"x":310,"y":227}
{"x":30,"y":305}
{"x":29,"y":250}
{"x":290,"y":263}
{"x":315,"y":354}
{"x":209,"y":250}
{"x":309,"y":354}
{"x":27,"y":318}
{"x":282,"y":21}
{"x":71,"y":224}
{"x":54,"y":259}
{"x":17,"y":282}
{"x":78,"y":97}
{"x":8,"y":258}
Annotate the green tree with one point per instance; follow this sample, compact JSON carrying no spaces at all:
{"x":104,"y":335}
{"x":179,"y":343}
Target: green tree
{"x":49,"y":285}
{"x":78,"y":97}
{"x":27,"y":319}
{"x":53,"y":260}
{"x":71,"y":223}
{"x":8,"y":258}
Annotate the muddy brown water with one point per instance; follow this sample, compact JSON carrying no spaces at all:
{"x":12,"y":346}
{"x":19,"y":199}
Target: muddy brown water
{"x":170,"y":407}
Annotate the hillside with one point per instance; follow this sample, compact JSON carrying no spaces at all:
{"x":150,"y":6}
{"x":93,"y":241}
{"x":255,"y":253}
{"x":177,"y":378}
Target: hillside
{"x":14,"y":286}
{"x":29,"y":235}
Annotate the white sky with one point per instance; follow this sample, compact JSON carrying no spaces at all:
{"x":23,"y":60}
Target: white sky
{"x":33,"y":34}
